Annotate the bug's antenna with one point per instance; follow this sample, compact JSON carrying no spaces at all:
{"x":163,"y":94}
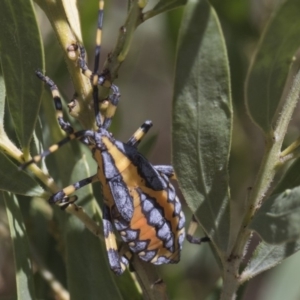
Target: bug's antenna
{"x":99,"y":36}
{"x":96,"y":105}
{"x":96,"y":63}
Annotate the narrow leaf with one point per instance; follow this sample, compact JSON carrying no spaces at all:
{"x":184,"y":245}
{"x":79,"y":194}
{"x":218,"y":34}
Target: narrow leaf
{"x":164,"y":6}
{"x":202,"y":120}
{"x":16,"y":181}
{"x":290,"y":179}
{"x":6,"y":145}
{"x":24,"y":274}
{"x":169,"y":4}
{"x":21,"y":54}
{"x":285,"y":275}
{"x":86,"y":255}
{"x":72,"y":14}
{"x":268,"y":256}
{"x":278,"y":219}
{"x":269,"y":69}
{"x":2,"y":102}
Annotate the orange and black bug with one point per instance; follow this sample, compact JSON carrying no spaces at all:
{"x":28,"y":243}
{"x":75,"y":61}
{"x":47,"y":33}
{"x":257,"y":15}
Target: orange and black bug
{"x":139,"y":200}
{"x":138,"y":197}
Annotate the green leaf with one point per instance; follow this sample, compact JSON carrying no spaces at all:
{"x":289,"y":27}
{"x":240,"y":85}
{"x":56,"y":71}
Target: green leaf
{"x":2,"y":102}
{"x":147,"y":145}
{"x":202,"y":120}
{"x":23,"y":266}
{"x":270,"y":67}
{"x":268,"y":256}
{"x":6,"y":145}
{"x":164,"y":6}
{"x":278,"y":219}
{"x":86,"y":255}
{"x":20,"y":55}
{"x":16,"y":181}
{"x":290,"y":179}
{"x":285,"y":275}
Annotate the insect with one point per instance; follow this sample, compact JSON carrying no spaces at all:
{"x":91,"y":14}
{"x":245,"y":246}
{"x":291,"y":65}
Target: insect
{"x":138,"y":197}
{"x":139,"y":200}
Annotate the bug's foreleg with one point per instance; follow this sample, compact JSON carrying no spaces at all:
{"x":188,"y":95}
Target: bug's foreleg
{"x":64,"y":125}
{"x":114,"y":99}
{"x":100,"y":80}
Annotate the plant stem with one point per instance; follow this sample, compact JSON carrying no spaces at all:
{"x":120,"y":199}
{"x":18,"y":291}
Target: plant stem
{"x":116,"y":58}
{"x":264,"y":179}
{"x":66,"y":37}
{"x":291,"y":148}
{"x":231,"y":280}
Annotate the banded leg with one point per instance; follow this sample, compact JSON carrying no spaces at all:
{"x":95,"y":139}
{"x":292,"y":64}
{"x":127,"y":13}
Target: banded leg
{"x":191,"y":231}
{"x":169,"y":172}
{"x":136,"y":138}
{"x":82,"y":61}
{"x":114,"y":99}
{"x":117,"y":263}
{"x":97,"y":79}
{"x":65,"y":126}
{"x":62,"y":197}
{"x":75,"y":135}
{"x":101,"y":80}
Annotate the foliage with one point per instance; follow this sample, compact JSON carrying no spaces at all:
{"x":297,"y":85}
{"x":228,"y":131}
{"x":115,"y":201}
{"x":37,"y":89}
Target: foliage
{"x":217,"y":148}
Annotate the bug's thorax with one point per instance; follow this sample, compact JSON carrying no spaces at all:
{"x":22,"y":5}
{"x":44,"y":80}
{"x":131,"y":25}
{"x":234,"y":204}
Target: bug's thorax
{"x":109,"y":147}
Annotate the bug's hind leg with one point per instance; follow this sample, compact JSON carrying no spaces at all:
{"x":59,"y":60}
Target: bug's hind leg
{"x":169,"y":172}
{"x":117,"y":263}
{"x":191,"y":231}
